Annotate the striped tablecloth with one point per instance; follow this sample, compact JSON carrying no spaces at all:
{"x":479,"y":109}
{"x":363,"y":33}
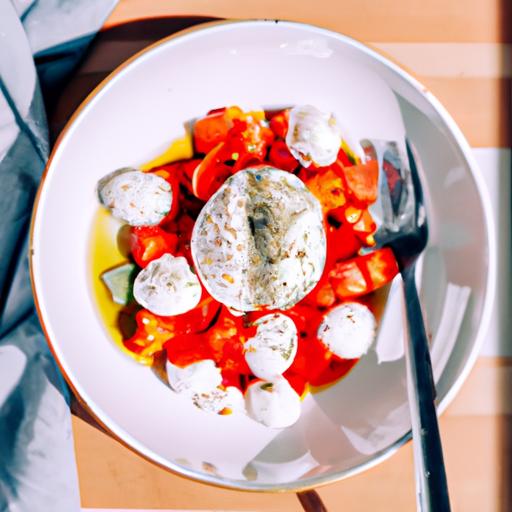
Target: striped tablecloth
{"x":461,"y":51}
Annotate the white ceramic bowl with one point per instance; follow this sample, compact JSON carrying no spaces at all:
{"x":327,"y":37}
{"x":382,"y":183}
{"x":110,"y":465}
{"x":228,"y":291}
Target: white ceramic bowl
{"x":130,"y":118}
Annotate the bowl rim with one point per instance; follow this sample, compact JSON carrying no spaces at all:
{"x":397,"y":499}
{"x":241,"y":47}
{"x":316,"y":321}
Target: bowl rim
{"x":114,"y":430}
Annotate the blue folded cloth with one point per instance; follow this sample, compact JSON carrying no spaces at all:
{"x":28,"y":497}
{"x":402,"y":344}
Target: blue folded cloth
{"x":37,"y":466}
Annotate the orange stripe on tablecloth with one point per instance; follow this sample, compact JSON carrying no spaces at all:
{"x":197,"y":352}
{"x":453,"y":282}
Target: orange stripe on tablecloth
{"x":462,"y":60}
{"x":480,"y":106}
{"x":366,"y":20}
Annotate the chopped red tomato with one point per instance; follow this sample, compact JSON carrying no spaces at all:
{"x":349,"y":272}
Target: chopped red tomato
{"x":381,"y":266}
{"x":188,"y":167}
{"x":279,"y":123}
{"x":211,"y":173}
{"x":193,"y":321}
{"x":183,"y":228}
{"x":361,"y":181}
{"x":281,"y":157}
{"x":306,"y":318}
{"x":183,"y":350}
{"x":212,"y":129}
{"x":328,"y":188}
{"x":344,"y":158}
{"x":365,"y":227}
{"x":154,"y":331}
{"x":246,"y":160}
{"x":226,"y":340}
{"x":149,"y":336}
{"x":298,"y":382}
{"x":148,"y":243}
{"x":322,"y":294}
{"x":363,"y":274}
{"x":227,"y":140}
{"x":311,"y":360}
{"x":248,"y":142}
{"x":342,"y":243}
{"x":348,"y":279}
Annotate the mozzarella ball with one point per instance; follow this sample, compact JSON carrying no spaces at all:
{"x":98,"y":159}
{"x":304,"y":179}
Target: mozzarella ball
{"x":259,"y":242}
{"x":167,"y":286}
{"x":220,"y":401}
{"x":135,"y":197}
{"x":272,"y":350}
{"x":348,"y":330}
{"x":200,"y":377}
{"x":275,"y":404}
{"x":313,"y":136}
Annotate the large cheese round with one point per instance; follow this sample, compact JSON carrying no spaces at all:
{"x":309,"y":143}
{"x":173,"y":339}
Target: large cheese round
{"x":259,"y":242}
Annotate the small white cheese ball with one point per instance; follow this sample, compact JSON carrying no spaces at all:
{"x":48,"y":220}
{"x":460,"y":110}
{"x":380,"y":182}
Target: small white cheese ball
{"x":272,"y":350}
{"x":200,"y":377}
{"x":137,"y":198}
{"x":220,"y":401}
{"x":348,"y":330}
{"x":313,"y":136}
{"x":259,"y":242}
{"x":167,"y":286}
{"x":275,"y":404}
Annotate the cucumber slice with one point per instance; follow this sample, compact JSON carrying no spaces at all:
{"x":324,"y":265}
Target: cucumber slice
{"x":119,"y":281}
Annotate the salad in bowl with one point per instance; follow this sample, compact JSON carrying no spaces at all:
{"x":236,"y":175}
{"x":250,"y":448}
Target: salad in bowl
{"x":250,"y":265}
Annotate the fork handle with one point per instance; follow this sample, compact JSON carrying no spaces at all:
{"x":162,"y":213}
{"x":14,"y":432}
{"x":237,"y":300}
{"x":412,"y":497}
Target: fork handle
{"x":431,"y":484}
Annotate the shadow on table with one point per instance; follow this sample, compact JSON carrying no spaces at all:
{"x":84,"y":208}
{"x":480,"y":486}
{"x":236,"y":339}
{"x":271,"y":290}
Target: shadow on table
{"x":503,"y":298}
{"x":110,"y":48}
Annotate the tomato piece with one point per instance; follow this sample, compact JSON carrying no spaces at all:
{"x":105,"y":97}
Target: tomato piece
{"x":191,"y":322}
{"x":322,"y":294}
{"x":189,"y":166}
{"x":246,"y":160}
{"x":311,"y":360}
{"x":365,"y":226}
{"x":298,"y":382}
{"x":183,"y":350}
{"x":279,"y":123}
{"x":148,"y":338}
{"x":344,"y":158}
{"x":143,"y":349}
{"x":148,"y":243}
{"x":342,"y":242}
{"x":226,"y":340}
{"x":361,"y":180}
{"x":281,"y":157}
{"x":177,"y":173}
{"x":248,"y":141}
{"x":182,"y":227}
{"x":348,"y":280}
{"x":363,"y":274}
{"x":195,"y":320}
{"x":381,"y":266}
{"x":233,"y":358}
{"x":212,"y":129}
{"x":211,"y":173}
{"x":306,"y":319}
{"x":328,"y":188}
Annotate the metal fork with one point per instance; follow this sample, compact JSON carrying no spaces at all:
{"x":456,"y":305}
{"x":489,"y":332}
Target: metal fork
{"x":404,"y":229}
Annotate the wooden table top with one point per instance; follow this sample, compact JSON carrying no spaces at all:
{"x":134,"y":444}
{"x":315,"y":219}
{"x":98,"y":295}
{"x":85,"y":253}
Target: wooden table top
{"x":461,"y":51}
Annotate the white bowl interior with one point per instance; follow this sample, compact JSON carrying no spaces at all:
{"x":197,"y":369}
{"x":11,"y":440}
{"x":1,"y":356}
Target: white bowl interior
{"x":134,"y":117}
